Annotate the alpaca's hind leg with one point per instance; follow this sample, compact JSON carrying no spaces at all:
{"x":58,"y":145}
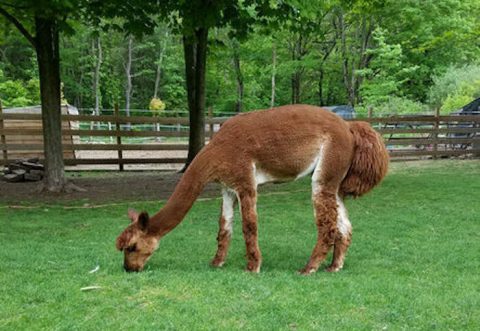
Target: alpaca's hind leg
{"x":325,"y":207}
{"x":225,"y":227}
{"x":333,"y":163}
{"x":343,"y":238}
{"x":248,"y":207}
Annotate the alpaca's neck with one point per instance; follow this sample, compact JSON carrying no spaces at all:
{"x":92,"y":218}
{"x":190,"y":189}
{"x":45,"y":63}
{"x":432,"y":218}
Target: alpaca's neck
{"x":197,"y":175}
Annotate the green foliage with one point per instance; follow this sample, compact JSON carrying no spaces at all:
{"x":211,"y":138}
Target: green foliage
{"x":19,"y":84}
{"x":393,"y":52}
{"x":385,"y":74}
{"x":33,"y":89}
{"x":455,"y":88}
{"x":13,"y":93}
{"x":16,"y":93}
{"x":431,"y":43}
{"x":17,"y":57}
{"x":455,"y":102}
{"x":156,"y":106}
{"x":393,"y":105}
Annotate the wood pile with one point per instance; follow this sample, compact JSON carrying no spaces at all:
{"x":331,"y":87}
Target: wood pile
{"x":29,"y":170}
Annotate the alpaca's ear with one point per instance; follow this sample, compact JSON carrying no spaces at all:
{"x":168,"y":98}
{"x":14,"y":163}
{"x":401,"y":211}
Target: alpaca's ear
{"x":142,"y":220}
{"x":133,"y":215}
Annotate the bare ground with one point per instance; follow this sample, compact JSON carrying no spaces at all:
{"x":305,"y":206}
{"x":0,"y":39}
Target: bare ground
{"x":101,"y":187}
{"x":128,"y":186}
{"x":129,"y":155}
{"x":148,"y":182}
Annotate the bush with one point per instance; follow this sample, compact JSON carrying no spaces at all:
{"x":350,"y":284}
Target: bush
{"x":13,"y":94}
{"x":394,"y":106}
{"x":17,"y":93}
{"x":157,"y":106}
{"x":454,"y":102}
{"x":455,"y":88}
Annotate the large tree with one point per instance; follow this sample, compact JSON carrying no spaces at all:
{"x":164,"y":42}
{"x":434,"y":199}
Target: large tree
{"x":194,"y":19}
{"x":40,"y":23}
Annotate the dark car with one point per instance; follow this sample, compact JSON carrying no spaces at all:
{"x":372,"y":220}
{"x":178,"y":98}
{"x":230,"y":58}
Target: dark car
{"x":344,"y":111}
{"x":473,"y":108}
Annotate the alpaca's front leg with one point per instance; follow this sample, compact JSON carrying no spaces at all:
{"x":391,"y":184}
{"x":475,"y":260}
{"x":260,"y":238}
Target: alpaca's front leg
{"x":225,"y":227}
{"x":248,"y":206}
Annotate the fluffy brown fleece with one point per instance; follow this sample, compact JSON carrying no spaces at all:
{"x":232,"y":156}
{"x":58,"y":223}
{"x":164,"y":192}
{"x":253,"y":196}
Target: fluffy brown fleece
{"x":370,"y":161}
{"x":279,"y":144}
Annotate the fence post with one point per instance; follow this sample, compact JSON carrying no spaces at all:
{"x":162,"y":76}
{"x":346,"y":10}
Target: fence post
{"x":119,"y":138}
{"x":210,"y":116}
{"x":3,"y":140}
{"x":476,"y":145}
{"x":436,"y":126}
{"x":370,"y":111}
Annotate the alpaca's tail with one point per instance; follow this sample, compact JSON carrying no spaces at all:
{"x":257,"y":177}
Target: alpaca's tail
{"x":370,"y":161}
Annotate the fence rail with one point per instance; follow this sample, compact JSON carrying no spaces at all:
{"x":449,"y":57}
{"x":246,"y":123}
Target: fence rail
{"x":405,"y":136}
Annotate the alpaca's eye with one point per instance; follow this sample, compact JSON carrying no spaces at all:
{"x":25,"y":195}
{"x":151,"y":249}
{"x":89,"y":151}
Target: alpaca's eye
{"x":132,"y":248}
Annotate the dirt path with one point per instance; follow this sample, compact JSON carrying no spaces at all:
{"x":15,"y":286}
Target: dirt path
{"x":129,"y":186}
{"x":129,"y":155}
{"x":102,"y":187}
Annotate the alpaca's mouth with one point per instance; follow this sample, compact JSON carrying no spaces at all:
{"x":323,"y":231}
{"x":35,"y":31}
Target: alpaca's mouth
{"x":131,"y":269}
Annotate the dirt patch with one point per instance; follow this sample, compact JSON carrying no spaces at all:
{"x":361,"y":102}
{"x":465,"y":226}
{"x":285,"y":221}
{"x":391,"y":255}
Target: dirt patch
{"x":102,"y":187}
{"x":129,"y":186}
{"x":129,"y":155}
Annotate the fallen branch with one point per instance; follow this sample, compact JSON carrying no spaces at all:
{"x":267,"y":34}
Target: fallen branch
{"x":91,"y":288}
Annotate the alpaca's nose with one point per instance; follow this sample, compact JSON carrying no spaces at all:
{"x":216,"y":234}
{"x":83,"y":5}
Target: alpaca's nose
{"x":129,"y":269}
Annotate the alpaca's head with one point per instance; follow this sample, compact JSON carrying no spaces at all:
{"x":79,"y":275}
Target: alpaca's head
{"x":136,"y":243}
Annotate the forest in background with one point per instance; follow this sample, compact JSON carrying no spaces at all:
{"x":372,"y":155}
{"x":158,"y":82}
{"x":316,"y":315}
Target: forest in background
{"x":395,"y":57}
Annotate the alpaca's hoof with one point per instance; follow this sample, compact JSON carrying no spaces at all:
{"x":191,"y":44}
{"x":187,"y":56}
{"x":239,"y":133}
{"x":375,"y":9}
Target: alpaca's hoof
{"x":255,"y":269}
{"x":307,"y":271}
{"x":217,"y":263}
{"x":333,"y":268}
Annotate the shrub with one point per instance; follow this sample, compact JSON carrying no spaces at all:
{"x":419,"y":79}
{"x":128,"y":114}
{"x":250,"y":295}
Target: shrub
{"x":157,"y":106}
{"x":17,"y":93}
{"x":455,"y":88}
{"x":394,"y":106}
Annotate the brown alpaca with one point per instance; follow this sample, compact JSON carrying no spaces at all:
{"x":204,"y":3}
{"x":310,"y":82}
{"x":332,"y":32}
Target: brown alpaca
{"x":280,"y":144}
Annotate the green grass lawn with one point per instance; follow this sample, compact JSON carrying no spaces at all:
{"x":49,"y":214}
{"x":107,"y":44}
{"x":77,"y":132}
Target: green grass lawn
{"x":414,"y":264}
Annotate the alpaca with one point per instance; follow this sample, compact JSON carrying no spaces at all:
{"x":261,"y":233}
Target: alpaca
{"x":278,"y":144}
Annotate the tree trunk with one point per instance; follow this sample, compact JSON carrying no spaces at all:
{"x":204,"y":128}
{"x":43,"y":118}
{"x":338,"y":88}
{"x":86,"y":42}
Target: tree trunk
{"x":96,"y":74}
{"x":128,"y":73}
{"x":366,"y":31}
{"x":79,"y":95}
{"x":161,"y":55}
{"x":238,"y":76}
{"x":48,"y":59}
{"x":274,"y":72}
{"x":295,"y":88}
{"x":296,"y":76}
{"x":195,"y":52}
{"x":328,"y":50}
{"x":347,"y":67}
{"x":321,"y":101}
{"x":97,"y":51}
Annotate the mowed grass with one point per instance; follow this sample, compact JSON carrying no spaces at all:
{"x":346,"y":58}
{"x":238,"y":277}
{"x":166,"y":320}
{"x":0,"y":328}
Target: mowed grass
{"x":414,"y":264}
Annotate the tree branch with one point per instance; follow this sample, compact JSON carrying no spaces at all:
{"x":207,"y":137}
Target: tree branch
{"x":6,"y":4}
{"x":19,"y":26}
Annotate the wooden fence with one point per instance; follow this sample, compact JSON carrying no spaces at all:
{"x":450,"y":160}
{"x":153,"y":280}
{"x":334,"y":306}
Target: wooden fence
{"x":405,"y":137}
{"x":430,"y":135}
